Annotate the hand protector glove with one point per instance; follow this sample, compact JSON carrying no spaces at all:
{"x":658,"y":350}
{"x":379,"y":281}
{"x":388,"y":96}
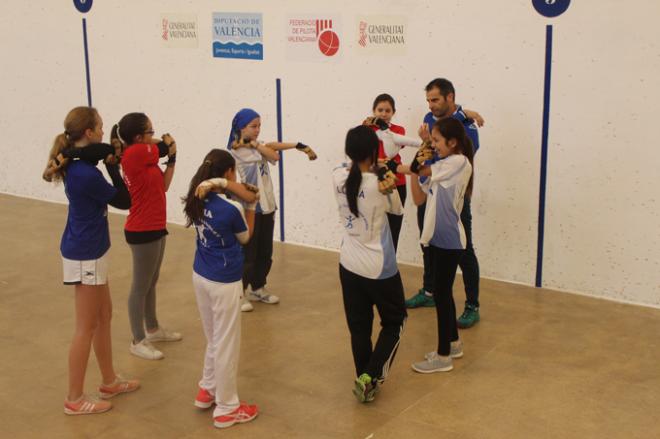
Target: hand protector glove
{"x":307,"y":150}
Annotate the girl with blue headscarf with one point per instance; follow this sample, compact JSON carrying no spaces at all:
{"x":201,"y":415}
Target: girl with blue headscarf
{"x":252,"y":162}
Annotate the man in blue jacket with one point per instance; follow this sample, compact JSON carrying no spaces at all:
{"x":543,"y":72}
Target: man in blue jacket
{"x":440,"y":95}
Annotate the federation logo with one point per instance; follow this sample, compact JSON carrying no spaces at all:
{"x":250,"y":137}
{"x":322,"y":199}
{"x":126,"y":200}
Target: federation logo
{"x":328,"y":40}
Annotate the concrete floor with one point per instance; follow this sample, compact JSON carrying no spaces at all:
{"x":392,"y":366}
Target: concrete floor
{"x":541,"y":364}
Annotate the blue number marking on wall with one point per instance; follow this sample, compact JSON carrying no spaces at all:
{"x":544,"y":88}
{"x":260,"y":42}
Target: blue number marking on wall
{"x":551,"y":8}
{"x":83,"y":5}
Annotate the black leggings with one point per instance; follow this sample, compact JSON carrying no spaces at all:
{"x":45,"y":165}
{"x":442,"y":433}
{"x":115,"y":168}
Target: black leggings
{"x":360,"y":295}
{"x":444,"y":264}
{"x":468,"y":263}
{"x":259,"y":251}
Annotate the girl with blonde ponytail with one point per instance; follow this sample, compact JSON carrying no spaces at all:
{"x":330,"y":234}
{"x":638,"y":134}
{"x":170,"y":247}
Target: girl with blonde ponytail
{"x":84,"y":248}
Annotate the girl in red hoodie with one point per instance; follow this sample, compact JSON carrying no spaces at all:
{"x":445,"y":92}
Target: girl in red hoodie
{"x":145,"y":228}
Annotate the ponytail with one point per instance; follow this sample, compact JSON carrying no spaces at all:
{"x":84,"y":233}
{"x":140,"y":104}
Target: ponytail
{"x":56,"y":164}
{"x":352,"y":187}
{"x":216,"y":164}
{"x":361,"y":146}
{"x":76,"y":123}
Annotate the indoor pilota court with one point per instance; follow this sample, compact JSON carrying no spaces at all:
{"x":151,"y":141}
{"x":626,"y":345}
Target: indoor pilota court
{"x":541,"y":364}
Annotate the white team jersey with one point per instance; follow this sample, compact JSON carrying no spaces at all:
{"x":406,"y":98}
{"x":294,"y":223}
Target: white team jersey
{"x":442,"y":217}
{"x":253,"y":168}
{"x":366,"y":248}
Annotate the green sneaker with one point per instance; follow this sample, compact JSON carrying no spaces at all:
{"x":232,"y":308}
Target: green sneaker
{"x":365,"y":388}
{"x":469,"y":318}
{"x":420,"y":299}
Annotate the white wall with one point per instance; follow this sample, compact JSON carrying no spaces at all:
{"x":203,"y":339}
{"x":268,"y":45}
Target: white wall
{"x":602,"y":235}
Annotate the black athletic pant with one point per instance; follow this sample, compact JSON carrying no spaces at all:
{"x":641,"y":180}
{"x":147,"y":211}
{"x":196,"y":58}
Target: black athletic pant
{"x":444,"y":264}
{"x":395,"y":221}
{"x":468,"y":263}
{"x":360,"y":295}
{"x":259,"y":251}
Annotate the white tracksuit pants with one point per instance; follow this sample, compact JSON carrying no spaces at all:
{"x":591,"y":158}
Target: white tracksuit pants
{"x":220,"y":310}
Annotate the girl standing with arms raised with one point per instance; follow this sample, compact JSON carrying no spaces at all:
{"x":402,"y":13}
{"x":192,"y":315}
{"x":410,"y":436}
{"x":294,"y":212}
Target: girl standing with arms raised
{"x":383,"y":109}
{"x":252,"y":160}
{"x":367,"y":261}
{"x":222,"y":226}
{"x":443,"y":233}
{"x":84,"y":247}
{"x":145,"y":228}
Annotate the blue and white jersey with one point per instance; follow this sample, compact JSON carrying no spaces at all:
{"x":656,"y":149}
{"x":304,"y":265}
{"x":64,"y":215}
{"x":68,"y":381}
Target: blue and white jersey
{"x":86,"y":235}
{"x":367,"y":248}
{"x":470,"y":126}
{"x":219,"y":256}
{"x":253,"y":168}
{"x":471,"y":130}
{"x":442,"y":218}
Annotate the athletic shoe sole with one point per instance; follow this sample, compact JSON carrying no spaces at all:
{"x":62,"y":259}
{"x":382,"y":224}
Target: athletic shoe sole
{"x":440,"y":369}
{"x":70,"y":412}
{"x":234,"y":421}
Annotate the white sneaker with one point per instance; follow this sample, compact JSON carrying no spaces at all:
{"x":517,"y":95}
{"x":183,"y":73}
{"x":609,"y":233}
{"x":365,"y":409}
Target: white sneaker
{"x":163,"y":334}
{"x":261,"y":295}
{"x":434,"y":363}
{"x":456,"y":350}
{"x":146,"y":350}
{"x":245,"y":305}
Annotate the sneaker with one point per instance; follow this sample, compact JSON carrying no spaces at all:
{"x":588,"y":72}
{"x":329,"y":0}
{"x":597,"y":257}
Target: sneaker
{"x":469,"y":318}
{"x":86,"y":405}
{"x":261,"y":295}
{"x":204,"y":399}
{"x":434,"y":363}
{"x":244,"y":413}
{"x":455,"y":352}
{"x":163,"y":334}
{"x":246,"y":306}
{"x":420,"y":299}
{"x":146,"y":350}
{"x":120,"y":385}
{"x":365,"y":388}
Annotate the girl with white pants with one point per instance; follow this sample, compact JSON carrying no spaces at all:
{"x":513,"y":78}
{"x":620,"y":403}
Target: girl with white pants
{"x":222,"y":227}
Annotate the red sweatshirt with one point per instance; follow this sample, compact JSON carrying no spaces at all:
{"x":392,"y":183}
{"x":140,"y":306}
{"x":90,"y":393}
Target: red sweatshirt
{"x":145,"y":183}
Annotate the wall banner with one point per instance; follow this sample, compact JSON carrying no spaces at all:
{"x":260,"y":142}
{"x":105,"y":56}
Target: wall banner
{"x":313,"y":37}
{"x":238,"y":35}
{"x":381,"y":34}
{"x":178,"y":30}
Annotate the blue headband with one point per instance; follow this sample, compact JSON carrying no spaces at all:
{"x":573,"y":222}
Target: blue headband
{"x":240,"y":121}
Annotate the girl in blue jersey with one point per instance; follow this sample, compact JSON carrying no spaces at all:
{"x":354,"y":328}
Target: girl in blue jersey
{"x":367,"y":263}
{"x":84,"y":248}
{"x":253,"y":158}
{"x":443,"y":232}
{"x":222,"y":227}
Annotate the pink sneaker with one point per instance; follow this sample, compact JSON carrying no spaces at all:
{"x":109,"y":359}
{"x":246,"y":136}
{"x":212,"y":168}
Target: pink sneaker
{"x":244,"y":413}
{"x":86,"y":405}
{"x":120,"y":385}
{"x":204,"y":399}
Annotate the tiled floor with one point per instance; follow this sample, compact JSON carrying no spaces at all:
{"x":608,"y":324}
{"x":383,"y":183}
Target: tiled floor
{"x":540,"y":364}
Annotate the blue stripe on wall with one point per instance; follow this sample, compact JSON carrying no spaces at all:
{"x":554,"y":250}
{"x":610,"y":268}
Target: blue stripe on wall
{"x":89,"y":84}
{"x":281,"y":162}
{"x":544,"y":154}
